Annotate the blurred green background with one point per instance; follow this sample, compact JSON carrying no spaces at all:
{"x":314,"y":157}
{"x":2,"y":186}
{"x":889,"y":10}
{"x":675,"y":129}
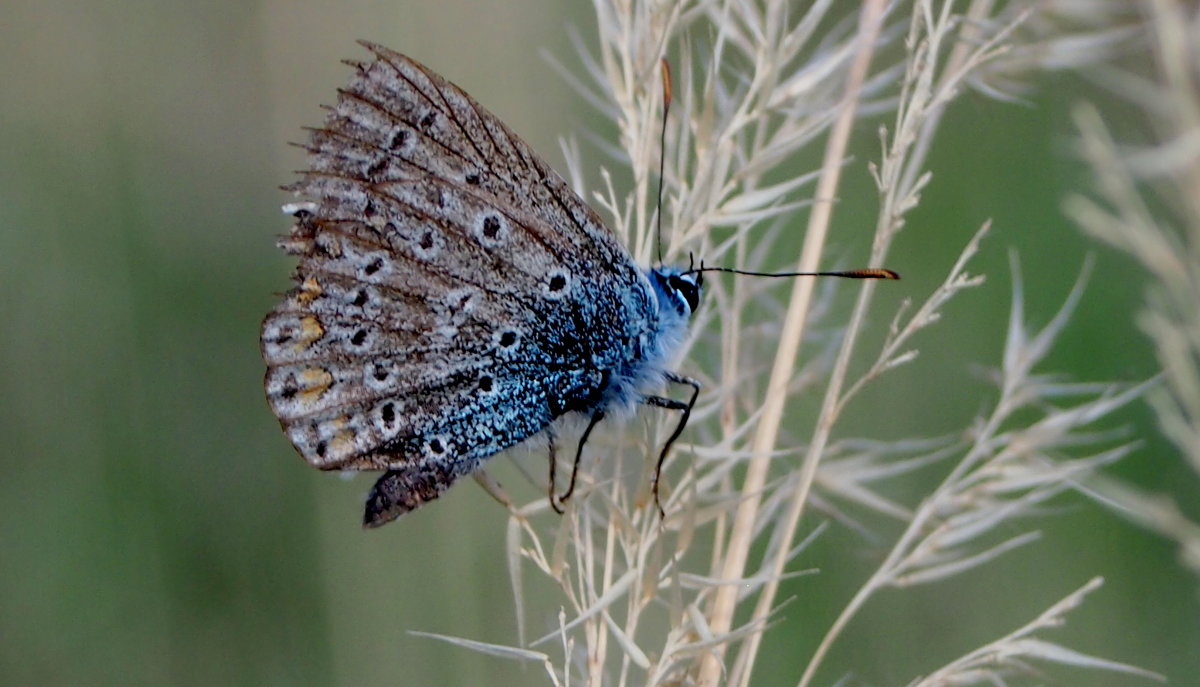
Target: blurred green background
{"x":158,"y":529}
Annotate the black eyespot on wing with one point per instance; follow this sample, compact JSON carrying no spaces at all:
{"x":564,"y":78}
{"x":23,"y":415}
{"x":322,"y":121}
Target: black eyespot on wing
{"x":397,"y":139}
{"x":491,"y":227}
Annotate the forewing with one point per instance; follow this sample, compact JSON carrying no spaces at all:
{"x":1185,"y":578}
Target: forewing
{"x":399,"y":120}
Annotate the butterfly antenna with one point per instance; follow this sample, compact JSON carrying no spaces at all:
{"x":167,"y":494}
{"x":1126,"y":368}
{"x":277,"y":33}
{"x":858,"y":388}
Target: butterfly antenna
{"x":868,"y":273}
{"x":662,"y":147}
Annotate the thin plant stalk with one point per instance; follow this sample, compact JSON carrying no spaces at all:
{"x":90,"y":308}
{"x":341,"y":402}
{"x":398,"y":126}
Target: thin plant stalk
{"x":767,"y":433}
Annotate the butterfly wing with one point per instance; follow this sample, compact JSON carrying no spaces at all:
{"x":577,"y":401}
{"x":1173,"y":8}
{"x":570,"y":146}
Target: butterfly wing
{"x":453,"y":296}
{"x":397,"y":118}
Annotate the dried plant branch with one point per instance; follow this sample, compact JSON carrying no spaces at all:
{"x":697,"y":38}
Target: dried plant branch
{"x":999,"y":477}
{"x":1145,"y":204}
{"x":767,"y":433}
{"x":755,"y":83}
{"x":989,"y":663}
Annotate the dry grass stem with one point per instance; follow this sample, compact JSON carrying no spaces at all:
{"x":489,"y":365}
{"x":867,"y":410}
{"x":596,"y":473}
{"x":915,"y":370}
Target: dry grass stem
{"x":1145,"y":204}
{"x":650,"y":601}
{"x":998,"y":660}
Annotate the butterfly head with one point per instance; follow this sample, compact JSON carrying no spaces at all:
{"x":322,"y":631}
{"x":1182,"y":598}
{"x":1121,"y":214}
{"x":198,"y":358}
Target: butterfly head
{"x":678,"y":288}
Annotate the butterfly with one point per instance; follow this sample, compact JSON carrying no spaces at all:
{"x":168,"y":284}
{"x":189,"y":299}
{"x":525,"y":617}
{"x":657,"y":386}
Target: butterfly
{"x":454,"y":296}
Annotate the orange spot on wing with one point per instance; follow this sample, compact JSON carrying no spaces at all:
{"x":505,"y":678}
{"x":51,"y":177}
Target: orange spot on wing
{"x":310,"y":290}
{"x":315,"y":381}
{"x":310,"y":332}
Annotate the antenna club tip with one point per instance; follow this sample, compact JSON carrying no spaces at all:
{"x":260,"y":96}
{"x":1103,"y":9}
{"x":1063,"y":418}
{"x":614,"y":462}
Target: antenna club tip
{"x":868,"y":273}
{"x":666,"y":79}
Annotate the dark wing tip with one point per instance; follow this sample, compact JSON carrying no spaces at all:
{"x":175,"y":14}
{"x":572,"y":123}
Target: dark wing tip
{"x":383,"y":52}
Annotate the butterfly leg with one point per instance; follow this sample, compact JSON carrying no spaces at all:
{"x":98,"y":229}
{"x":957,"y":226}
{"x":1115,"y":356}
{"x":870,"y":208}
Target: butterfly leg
{"x":686,"y":410}
{"x":553,"y":466}
{"x":596,"y":418}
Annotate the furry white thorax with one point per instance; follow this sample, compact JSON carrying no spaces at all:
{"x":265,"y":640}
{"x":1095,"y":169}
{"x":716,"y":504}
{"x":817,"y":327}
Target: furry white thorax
{"x":674,"y":294}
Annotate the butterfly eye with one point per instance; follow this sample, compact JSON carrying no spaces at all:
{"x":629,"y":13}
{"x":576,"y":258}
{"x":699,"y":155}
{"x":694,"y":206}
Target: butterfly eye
{"x":688,"y":288}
